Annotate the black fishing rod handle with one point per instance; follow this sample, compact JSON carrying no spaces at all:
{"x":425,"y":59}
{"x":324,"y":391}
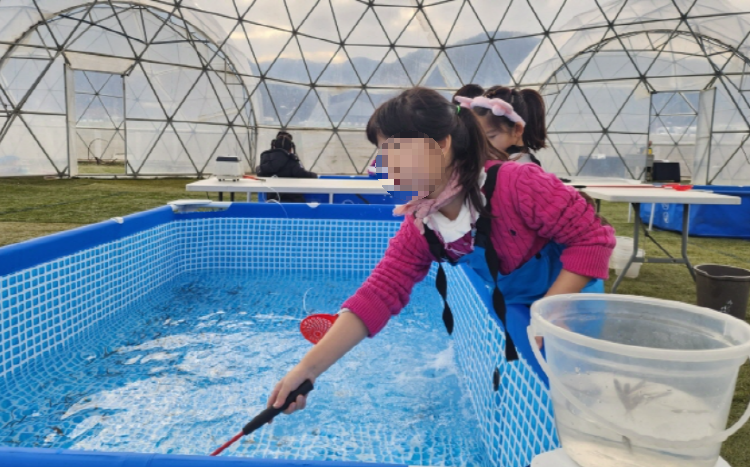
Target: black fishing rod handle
{"x":271,"y":412}
{"x":302,"y":390}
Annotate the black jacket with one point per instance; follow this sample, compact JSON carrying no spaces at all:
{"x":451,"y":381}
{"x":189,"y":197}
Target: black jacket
{"x":283,"y":164}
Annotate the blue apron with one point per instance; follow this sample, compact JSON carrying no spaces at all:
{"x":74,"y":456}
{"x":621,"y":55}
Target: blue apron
{"x":521,"y":288}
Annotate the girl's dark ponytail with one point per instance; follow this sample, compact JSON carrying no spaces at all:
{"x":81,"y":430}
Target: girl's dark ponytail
{"x":469,"y":90}
{"x":527,"y":103}
{"x":535,"y":131}
{"x":469,"y":141}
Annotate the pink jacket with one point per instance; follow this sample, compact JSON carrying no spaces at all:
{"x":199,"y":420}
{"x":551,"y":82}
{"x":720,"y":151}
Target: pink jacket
{"x":530,"y":208}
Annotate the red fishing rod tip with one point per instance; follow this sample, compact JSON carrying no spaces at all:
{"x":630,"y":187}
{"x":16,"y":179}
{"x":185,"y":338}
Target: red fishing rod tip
{"x":228,"y":443}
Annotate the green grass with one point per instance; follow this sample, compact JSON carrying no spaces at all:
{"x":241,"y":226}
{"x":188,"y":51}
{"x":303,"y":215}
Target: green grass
{"x":92,"y":168}
{"x":30,"y":207}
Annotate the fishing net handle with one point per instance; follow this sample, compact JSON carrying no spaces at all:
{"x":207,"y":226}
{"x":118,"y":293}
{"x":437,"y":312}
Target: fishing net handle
{"x":560,"y":388}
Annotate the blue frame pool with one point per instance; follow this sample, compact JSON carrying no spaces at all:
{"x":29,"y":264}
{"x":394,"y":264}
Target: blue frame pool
{"x":53,"y":289}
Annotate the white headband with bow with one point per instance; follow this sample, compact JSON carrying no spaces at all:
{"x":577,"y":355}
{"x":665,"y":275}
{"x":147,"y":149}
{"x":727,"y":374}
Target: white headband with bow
{"x":498,"y":107}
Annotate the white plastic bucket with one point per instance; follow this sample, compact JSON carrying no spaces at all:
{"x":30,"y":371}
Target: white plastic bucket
{"x":639,"y":382}
{"x":621,"y":255}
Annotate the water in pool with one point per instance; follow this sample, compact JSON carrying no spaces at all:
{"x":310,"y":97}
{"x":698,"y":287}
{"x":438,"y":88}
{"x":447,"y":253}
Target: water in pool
{"x":184,"y":368}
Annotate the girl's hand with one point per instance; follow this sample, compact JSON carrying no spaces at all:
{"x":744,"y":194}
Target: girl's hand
{"x":346,"y":332}
{"x":566,"y":283}
{"x":289,"y":383}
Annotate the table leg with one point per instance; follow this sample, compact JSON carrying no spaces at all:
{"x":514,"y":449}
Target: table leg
{"x":330,"y":198}
{"x":685,"y":236}
{"x":636,"y":234}
{"x":651,"y":219}
{"x":598,"y":205}
{"x":221,"y":196}
{"x":231,"y":196}
{"x":249,"y":196}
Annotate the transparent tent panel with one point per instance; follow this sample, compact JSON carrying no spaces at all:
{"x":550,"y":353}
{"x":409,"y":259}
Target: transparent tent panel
{"x":335,"y":158}
{"x":730,"y":157}
{"x":142,"y":137}
{"x":570,"y":149}
{"x":736,"y":170}
{"x":704,"y":127}
{"x":103,"y":144}
{"x":25,"y":153}
{"x":223,"y":73}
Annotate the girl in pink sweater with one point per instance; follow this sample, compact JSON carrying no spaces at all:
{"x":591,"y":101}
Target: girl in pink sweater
{"x":520,"y":229}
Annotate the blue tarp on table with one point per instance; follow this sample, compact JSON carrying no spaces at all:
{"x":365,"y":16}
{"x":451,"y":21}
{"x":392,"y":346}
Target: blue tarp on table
{"x":706,"y":220}
{"x":344,"y":198}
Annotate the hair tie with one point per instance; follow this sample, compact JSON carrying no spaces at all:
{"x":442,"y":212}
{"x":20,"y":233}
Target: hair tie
{"x":458,"y":109}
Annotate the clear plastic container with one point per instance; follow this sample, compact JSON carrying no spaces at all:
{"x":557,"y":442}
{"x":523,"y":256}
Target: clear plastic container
{"x":639,"y":382}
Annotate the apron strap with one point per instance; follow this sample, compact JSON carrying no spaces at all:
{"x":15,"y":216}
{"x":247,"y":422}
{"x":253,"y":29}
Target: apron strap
{"x":441,"y":282}
{"x":484,"y":240}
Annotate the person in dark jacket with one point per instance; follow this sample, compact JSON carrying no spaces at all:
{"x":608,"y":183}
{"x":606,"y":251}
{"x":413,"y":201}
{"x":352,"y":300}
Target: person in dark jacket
{"x":282,"y":161}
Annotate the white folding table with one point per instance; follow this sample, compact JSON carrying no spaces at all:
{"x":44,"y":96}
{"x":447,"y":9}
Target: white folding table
{"x":599,"y":181}
{"x":290,"y":185}
{"x":653,"y":195}
{"x":340,"y":186}
{"x":581,"y":183}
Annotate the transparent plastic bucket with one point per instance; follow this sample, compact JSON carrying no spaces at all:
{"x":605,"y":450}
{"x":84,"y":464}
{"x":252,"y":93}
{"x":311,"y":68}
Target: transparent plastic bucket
{"x":639,"y":382}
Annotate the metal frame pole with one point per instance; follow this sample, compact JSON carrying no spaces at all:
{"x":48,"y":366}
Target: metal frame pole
{"x":70,"y":110}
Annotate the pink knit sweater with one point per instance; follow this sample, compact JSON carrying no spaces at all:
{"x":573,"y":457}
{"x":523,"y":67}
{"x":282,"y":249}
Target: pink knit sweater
{"x":530,"y":208}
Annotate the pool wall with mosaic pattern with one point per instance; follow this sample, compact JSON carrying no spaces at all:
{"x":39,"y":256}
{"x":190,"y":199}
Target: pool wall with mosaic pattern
{"x":53,"y":289}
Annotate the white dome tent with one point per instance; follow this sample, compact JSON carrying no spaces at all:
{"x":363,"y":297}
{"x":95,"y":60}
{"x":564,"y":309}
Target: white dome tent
{"x":166,"y":86}
{"x":626,"y":73}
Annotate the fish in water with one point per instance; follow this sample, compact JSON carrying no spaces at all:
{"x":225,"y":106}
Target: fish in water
{"x":632,"y":397}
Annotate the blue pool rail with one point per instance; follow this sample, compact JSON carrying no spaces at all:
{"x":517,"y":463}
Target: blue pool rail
{"x":41,"y":250}
{"x":41,"y":457}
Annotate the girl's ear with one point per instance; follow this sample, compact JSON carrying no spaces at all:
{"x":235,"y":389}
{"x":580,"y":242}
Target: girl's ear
{"x":518,"y":132}
{"x":445,"y":144}
{"x":445,"y":147}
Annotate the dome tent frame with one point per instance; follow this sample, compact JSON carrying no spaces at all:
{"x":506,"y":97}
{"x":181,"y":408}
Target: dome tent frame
{"x":633,"y":76}
{"x":318,"y":68}
{"x":713,"y":77}
{"x":209,"y":65}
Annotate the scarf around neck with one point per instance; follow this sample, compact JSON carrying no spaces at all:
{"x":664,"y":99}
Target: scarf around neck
{"x":424,"y":207}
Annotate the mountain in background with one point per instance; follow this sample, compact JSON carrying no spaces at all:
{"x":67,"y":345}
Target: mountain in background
{"x":470,"y":63}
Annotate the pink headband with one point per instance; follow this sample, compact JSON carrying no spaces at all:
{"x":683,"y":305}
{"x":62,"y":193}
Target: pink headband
{"x":498,"y":107}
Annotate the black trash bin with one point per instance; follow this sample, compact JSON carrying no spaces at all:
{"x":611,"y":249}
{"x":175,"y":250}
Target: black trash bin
{"x":723,"y":288}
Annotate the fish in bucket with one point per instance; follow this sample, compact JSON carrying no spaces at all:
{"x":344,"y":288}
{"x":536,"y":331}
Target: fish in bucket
{"x":639,"y":382}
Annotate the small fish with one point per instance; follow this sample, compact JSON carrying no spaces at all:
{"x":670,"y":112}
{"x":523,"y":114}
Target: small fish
{"x":632,"y":398}
{"x":57,"y":430}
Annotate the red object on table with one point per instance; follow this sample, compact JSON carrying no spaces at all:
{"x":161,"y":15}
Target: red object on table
{"x":678,"y":187}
